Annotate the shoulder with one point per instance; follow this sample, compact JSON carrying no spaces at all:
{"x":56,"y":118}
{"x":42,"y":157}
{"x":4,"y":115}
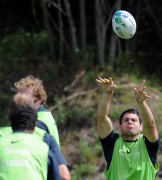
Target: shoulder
{"x":5,"y":131}
{"x":42,"y":126}
{"x":109,"y":141}
{"x":153,"y":147}
{"x":42,"y":108}
{"x":113,"y":136}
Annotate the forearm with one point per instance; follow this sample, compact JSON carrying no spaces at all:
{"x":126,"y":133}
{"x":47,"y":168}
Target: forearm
{"x":104,"y":124}
{"x":104,"y":104}
{"x":149,"y":125}
{"x":147,"y":115}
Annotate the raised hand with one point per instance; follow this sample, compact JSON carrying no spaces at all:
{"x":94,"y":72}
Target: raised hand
{"x":107,"y":85}
{"x":140,"y":92}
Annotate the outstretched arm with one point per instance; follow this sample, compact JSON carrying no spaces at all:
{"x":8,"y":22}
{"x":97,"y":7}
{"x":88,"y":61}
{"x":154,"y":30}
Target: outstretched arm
{"x":104,"y":124}
{"x":149,"y":125}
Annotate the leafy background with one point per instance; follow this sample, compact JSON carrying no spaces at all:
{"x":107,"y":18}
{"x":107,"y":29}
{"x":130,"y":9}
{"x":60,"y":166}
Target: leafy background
{"x":29,"y":45}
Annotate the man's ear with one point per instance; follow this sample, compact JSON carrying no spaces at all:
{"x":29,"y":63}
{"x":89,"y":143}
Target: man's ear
{"x":141,"y":127}
{"x":119,"y":125}
{"x":37,"y":104}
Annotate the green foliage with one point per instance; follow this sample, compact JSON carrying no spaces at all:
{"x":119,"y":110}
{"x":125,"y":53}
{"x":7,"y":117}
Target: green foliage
{"x":150,"y":63}
{"x":89,"y":79}
{"x":82,"y":112}
{"x":123,"y":63}
{"x":83,"y":170}
{"x":89,"y":153}
{"x":4,"y":107}
{"x":20,"y":53}
{"x":22,"y":43}
{"x":84,"y":59}
{"x":65,"y":115}
{"x":88,"y":159}
{"x":61,"y":113}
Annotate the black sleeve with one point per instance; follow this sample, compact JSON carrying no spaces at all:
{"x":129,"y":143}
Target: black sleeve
{"x":53,"y":171}
{"x":152,"y":149}
{"x":108,"y":146}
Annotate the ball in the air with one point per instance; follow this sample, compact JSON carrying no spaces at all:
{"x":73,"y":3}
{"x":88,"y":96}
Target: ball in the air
{"x":124,"y":24}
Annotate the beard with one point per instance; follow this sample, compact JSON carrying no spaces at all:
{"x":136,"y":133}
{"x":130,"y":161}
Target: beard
{"x":131,"y":135}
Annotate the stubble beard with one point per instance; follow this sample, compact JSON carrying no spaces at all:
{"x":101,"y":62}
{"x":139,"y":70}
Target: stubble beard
{"x":130,"y":135}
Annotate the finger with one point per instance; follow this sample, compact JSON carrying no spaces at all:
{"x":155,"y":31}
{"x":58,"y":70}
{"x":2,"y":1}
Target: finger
{"x":142,"y":84}
{"x":147,"y":96}
{"x":102,"y":79}
{"x":106,"y":80}
{"x":110,"y":79}
{"x":140,"y":87}
{"x":145,"y":93}
{"x":98,"y":81}
{"x":136,"y":90}
{"x":143,"y":90}
{"x":99,"y":78}
{"x":112,"y":86}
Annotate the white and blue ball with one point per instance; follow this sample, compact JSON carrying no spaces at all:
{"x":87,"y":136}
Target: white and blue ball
{"x":124,"y":24}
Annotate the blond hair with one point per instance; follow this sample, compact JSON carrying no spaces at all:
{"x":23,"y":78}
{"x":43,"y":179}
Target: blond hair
{"x":36,"y":84}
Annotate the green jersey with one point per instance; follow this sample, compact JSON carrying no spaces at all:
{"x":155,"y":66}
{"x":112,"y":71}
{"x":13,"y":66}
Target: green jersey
{"x":23,"y":156}
{"x":5,"y":131}
{"x":130,"y":161}
{"x":47,"y":118}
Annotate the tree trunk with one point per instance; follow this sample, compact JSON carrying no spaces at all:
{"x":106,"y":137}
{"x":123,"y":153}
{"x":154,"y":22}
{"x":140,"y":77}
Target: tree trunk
{"x":114,"y":41}
{"x":48,"y":28}
{"x":103,"y":20}
{"x":72,"y":26}
{"x":100,"y":34}
{"x":83,"y":24}
{"x":61,"y":32}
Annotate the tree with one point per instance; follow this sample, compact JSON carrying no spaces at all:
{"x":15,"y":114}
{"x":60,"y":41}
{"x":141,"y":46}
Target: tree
{"x":103,"y":12}
{"x":83,"y":24}
{"x":48,"y":27}
{"x":72,"y":26}
{"x":115,"y":44}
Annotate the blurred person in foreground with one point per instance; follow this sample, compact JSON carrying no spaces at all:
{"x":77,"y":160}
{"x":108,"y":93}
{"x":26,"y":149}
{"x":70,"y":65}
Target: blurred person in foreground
{"x":24,"y":99}
{"x":22,"y":154}
{"x":131,"y":155}
{"x":34,"y":87}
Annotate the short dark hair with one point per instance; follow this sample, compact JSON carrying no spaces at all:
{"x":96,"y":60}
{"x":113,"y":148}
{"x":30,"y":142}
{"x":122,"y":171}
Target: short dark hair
{"x":133,"y":111}
{"x":22,"y":117}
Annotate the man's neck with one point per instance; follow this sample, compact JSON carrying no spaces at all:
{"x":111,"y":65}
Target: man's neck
{"x":130,"y":138}
{"x":24,"y":131}
{"x":29,"y":131}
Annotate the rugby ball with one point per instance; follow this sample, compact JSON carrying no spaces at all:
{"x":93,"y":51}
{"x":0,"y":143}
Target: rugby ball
{"x":124,"y":24}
